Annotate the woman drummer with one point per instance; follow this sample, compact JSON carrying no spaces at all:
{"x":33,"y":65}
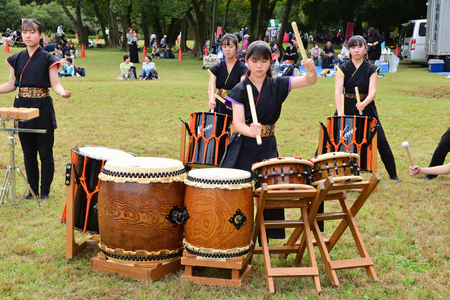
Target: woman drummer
{"x":359,"y":73}
{"x":225,"y":74}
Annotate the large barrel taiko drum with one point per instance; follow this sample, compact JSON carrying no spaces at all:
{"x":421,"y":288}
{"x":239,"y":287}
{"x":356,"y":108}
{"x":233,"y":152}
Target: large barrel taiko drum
{"x":141,"y":209}
{"x":219,"y":202}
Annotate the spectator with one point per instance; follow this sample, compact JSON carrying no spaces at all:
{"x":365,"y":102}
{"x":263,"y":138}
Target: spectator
{"x":58,"y":51}
{"x":163,"y":42}
{"x":148,"y":70}
{"x":125,"y":68}
{"x":374,"y":45}
{"x":67,"y":69}
{"x":345,"y":53}
{"x":275,"y":51}
{"x":73,"y":51}
{"x":153,"y":40}
{"x":291,"y":52}
{"x":60,"y":33}
{"x":91,"y":43}
{"x":155,"y":52}
{"x":245,"y":42}
{"x":7,"y":36}
{"x":315,"y":54}
{"x":328,"y":56}
{"x":132,"y":46}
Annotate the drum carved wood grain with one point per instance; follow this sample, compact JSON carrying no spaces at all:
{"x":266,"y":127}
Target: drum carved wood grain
{"x":132,"y":216}
{"x":210,"y":211}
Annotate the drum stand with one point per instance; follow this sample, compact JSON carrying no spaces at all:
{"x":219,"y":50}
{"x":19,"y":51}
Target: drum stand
{"x":236,"y":265}
{"x":9,"y":186}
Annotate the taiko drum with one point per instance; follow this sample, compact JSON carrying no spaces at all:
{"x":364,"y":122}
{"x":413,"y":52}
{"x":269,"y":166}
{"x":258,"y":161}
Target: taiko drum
{"x":341,"y":166}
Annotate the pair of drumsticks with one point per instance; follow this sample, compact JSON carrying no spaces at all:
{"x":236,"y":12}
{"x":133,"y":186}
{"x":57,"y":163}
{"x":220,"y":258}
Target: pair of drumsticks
{"x":358,"y":99}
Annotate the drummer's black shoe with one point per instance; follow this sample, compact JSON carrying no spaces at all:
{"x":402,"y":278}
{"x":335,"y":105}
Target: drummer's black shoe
{"x":44,"y":197}
{"x":429,"y":177}
{"x":30,"y":196}
{"x":396,"y":179}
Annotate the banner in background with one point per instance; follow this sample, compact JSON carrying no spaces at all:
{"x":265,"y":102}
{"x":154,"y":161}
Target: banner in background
{"x":349,"y":32}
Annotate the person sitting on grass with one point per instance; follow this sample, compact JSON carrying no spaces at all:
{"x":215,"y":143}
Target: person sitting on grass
{"x":148,"y":69}
{"x":155,"y":52}
{"x":125,"y":68}
{"x":345,"y":53}
{"x":315,"y":54}
{"x":67,"y":69}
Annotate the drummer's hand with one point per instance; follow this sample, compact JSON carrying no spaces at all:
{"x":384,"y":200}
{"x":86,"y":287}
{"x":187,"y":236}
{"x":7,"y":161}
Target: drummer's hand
{"x":66,"y":94}
{"x":255,"y":129}
{"x":308,"y":65}
{"x":212,"y":104}
{"x":360,"y":106}
{"x":415,"y":170}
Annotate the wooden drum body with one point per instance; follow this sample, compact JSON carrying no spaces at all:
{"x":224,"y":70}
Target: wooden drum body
{"x":219,"y":202}
{"x":341,"y":166}
{"x":89,"y":162}
{"x":352,"y":134}
{"x":208,"y":138}
{"x":140,"y":209}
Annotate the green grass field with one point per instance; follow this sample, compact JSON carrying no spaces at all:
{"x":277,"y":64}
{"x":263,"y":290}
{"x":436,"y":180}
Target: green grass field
{"x":404,"y":225}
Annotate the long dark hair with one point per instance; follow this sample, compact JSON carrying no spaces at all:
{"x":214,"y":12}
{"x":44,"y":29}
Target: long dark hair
{"x":372,"y":32}
{"x":260,"y":50}
{"x":33,"y":24}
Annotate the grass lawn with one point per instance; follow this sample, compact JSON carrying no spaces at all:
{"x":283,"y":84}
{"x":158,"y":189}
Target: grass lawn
{"x":404,"y":225}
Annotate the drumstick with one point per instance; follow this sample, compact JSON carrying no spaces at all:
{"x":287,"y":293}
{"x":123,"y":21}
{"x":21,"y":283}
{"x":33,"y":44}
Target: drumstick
{"x":253,"y":110}
{"x":405,"y":145}
{"x":358,"y":98}
{"x":342,"y":104}
{"x":300,"y":45}
{"x":88,"y":88}
{"x":219,"y":98}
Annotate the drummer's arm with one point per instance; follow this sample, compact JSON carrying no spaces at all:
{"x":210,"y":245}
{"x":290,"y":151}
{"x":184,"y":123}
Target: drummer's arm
{"x":9,"y":86}
{"x":437,"y":170}
{"x":338,"y":90}
{"x":212,"y":91}
{"x":239,"y":122}
{"x":372,"y":92}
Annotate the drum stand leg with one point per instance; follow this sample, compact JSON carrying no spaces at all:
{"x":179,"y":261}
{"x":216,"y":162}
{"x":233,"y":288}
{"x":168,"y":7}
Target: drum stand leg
{"x":9,"y":184}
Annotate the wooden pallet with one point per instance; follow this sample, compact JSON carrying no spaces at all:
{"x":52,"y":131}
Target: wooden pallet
{"x":239,"y":266}
{"x":140,"y":271}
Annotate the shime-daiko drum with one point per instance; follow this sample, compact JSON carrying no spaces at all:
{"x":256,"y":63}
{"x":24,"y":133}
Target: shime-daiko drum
{"x":352,"y":134}
{"x":89,"y":161}
{"x":341,"y":166}
{"x":219,"y":202}
{"x":284,"y":173}
{"x":140,"y":209}
{"x":208,"y":137}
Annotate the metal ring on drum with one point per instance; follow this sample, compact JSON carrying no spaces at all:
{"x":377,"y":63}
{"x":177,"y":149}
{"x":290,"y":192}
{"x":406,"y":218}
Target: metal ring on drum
{"x":220,"y":206}
{"x":141,"y":209}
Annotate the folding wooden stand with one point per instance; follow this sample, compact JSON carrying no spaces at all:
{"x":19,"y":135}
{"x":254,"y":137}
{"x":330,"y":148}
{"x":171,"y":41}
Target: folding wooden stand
{"x":273,"y":199}
{"x":239,"y":266}
{"x":347,"y":215}
{"x":91,"y":240}
{"x":140,"y":271}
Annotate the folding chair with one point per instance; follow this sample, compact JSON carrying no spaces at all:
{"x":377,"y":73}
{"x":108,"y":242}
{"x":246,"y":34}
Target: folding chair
{"x":273,"y":199}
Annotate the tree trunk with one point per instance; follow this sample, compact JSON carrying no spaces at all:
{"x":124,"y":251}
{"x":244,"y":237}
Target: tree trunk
{"x":284,"y":22}
{"x":126,"y":22}
{"x":100,"y":20}
{"x":225,"y":15}
{"x":174,"y":30}
{"x":81,"y":31}
{"x":199,"y":29}
{"x":260,"y":13}
{"x":145,"y":31}
{"x":213,"y":21}
{"x":184,"y":27}
{"x":114,"y":34}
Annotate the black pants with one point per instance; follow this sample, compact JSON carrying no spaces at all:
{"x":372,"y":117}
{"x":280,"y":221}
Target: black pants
{"x":293,"y":57}
{"x":327,"y":61}
{"x":441,"y":151}
{"x":32,"y":144}
{"x":385,"y":152}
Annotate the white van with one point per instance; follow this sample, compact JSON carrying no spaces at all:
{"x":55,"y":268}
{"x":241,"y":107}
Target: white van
{"x":412,"y":41}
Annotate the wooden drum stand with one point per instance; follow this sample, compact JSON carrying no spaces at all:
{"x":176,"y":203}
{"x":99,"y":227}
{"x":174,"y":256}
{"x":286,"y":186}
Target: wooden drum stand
{"x":8,"y":190}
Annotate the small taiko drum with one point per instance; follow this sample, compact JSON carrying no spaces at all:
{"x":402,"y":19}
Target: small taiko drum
{"x":353,"y":134}
{"x":89,"y":161}
{"x":141,"y":209}
{"x":219,"y":202}
{"x":341,"y":166}
{"x":208,"y":137}
{"x":284,"y":173}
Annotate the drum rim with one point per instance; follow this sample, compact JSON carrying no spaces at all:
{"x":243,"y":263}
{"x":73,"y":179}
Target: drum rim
{"x":78,"y":151}
{"x":280,"y":160}
{"x":286,"y":187}
{"x":246,"y":176}
{"x":209,"y":113}
{"x":332,"y":155}
{"x":351,"y":117}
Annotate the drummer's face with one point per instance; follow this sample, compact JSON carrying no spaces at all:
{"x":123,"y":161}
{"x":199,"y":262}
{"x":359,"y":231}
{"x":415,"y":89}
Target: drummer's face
{"x":358,"y":51}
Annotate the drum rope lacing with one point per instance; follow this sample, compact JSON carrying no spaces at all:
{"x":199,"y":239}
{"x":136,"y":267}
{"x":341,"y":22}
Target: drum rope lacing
{"x":74,"y":160}
{"x":143,"y":175}
{"x":330,"y":126}
{"x":142,"y":258}
{"x":207,"y":140}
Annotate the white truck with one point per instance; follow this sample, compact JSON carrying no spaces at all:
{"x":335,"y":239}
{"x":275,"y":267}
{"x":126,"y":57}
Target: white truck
{"x":437,"y":43}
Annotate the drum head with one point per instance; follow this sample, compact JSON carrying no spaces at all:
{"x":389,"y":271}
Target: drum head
{"x":219,"y":178}
{"x":282,"y":160}
{"x":101,"y":153}
{"x":143,"y":170}
{"x":333,"y":155}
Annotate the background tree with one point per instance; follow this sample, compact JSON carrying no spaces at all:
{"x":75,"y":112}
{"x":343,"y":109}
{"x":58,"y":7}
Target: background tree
{"x":10,"y":14}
